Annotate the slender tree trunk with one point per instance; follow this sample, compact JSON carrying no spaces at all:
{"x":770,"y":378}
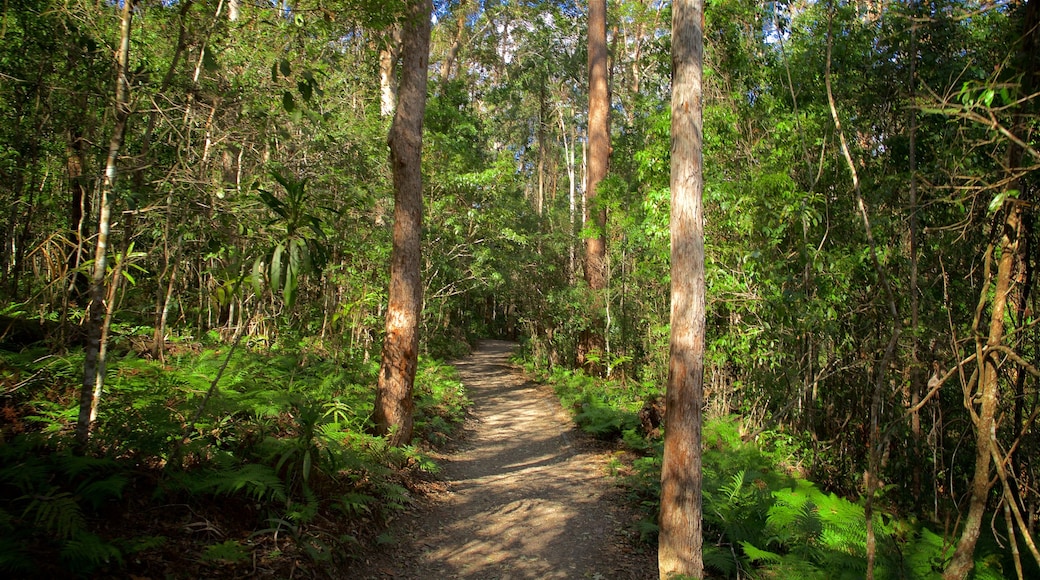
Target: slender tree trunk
{"x":917,"y":370}
{"x":568,"y":153}
{"x":540,"y":135}
{"x":394,"y":404}
{"x":987,"y":394}
{"x":94,"y":360}
{"x":680,"y":542}
{"x":1012,"y":246}
{"x":462,"y":14}
{"x":78,"y":208}
{"x":875,"y":440}
{"x":592,"y":340}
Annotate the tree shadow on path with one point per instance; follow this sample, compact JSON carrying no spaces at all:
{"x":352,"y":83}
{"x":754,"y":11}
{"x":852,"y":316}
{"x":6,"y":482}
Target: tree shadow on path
{"x":524,"y":500}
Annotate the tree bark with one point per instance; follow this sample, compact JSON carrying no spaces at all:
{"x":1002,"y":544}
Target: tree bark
{"x":462,"y":14}
{"x":680,"y":539}
{"x":387,"y":67}
{"x":394,"y":404}
{"x":1012,"y":239}
{"x":592,"y":339}
{"x":94,"y":359}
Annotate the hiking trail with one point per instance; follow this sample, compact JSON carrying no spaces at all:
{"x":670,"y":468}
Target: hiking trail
{"x":527,"y":496}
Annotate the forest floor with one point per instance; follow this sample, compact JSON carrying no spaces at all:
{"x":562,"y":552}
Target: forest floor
{"x":523,"y":495}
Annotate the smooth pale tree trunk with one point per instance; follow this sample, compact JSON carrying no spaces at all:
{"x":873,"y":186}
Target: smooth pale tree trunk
{"x":568,"y":153}
{"x":394,"y":404}
{"x":387,"y":69}
{"x":592,"y":340}
{"x":680,"y":539}
{"x":97,"y":316}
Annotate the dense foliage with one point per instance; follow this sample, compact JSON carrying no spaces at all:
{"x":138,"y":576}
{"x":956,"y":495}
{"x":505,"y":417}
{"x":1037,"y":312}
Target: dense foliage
{"x":871,"y":173}
{"x":763,"y":516}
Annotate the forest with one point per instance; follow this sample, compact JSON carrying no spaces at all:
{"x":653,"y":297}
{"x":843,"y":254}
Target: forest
{"x":209,"y":363}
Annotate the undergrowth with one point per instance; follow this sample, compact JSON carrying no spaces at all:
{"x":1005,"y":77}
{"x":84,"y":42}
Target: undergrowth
{"x":278,"y":470}
{"x":761,"y":517}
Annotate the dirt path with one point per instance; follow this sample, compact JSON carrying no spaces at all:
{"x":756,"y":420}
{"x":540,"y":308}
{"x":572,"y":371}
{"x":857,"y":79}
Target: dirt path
{"x":525,"y":498}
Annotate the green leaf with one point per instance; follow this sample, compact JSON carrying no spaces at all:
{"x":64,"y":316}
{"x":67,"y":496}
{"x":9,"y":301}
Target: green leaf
{"x":305,"y":90}
{"x":987,"y":97}
{"x":288,"y":103}
{"x":292,"y":273}
{"x":307,"y":465}
{"x":257,"y":276}
{"x":1000,"y":198}
{"x":209,"y":60}
{"x":756,"y":555}
{"x":276,"y":266}
{"x":285,"y":68}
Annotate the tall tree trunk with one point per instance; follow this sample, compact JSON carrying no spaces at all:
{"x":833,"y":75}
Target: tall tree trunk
{"x":568,"y":153}
{"x":680,"y":542}
{"x":917,"y":370}
{"x":592,"y":339}
{"x":387,"y":68}
{"x":94,"y":360}
{"x":393,"y":408}
{"x":1012,"y":257}
{"x":461,"y":15}
{"x":987,"y":393}
{"x":540,"y":135}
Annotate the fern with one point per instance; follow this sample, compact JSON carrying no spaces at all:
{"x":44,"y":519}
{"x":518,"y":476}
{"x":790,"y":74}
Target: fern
{"x":925,"y":557}
{"x":99,"y":491}
{"x":86,"y":552}
{"x":259,"y":482}
{"x":228,"y":552}
{"x":756,"y":555}
{"x":720,"y":560}
{"x":355,"y":504}
{"x":58,"y":514}
{"x":14,"y":559}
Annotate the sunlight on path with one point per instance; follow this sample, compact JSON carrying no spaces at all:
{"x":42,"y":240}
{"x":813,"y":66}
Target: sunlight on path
{"x":524,"y":503}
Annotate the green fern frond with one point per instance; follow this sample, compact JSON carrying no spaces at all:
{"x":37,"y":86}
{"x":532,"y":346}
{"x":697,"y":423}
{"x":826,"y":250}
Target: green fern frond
{"x":989,"y":568}
{"x":926,"y":557}
{"x":735,"y":486}
{"x":757,"y":555}
{"x":255,"y":480}
{"x":228,"y":552}
{"x":720,"y":559}
{"x":57,"y":514}
{"x":80,"y":465}
{"x":98,"y":492}
{"x":14,"y":560}
{"x":355,"y":504}
{"x":23,"y":473}
{"x":85,"y":552}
